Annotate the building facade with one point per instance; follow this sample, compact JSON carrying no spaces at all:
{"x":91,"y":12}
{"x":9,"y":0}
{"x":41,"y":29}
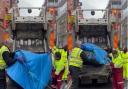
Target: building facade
{"x":66,"y":23}
{"x":114,"y":7}
{"x":5,"y":21}
{"x":62,"y":25}
{"x":124,"y":22}
{"x":5,"y":6}
{"x":64,"y":14}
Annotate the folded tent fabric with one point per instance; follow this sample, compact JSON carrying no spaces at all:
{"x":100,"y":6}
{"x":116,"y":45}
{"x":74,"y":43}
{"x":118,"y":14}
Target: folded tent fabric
{"x":34,"y":72}
{"x":97,"y":52}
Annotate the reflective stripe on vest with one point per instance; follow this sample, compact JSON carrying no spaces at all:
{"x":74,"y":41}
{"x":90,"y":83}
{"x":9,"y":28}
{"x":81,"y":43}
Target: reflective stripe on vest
{"x":2,"y":62}
{"x":76,"y":63}
{"x":125,"y":65}
{"x":61,"y":64}
{"x":75,"y":59}
{"x":65,"y":61}
{"x":55,"y":49}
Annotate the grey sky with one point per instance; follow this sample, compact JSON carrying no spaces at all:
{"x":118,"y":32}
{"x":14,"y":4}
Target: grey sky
{"x":94,"y":4}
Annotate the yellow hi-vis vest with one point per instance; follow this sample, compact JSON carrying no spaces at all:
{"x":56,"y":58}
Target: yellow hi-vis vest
{"x":54,"y":50}
{"x":66,"y":68}
{"x":125,"y":65}
{"x":2,"y":62}
{"x":117,"y":61}
{"x":75,"y":59}
{"x":61,"y":64}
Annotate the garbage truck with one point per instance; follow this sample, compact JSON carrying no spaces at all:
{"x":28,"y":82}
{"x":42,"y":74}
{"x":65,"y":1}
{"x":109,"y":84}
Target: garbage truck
{"x":94,"y":29}
{"x":29,"y":32}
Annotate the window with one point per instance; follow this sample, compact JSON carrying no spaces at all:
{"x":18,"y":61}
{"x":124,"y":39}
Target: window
{"x":52,"y":0}
{"x":116,"y":3}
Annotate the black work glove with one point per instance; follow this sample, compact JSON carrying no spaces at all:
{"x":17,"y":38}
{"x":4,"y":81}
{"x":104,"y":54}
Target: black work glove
{"x":65,"y":81}
{"x":49,"y":50}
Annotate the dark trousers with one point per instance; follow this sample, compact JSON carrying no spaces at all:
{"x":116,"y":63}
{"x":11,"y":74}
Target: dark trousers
{"x":57,"y":80}
{"x":3,"y":84}
{"x":13,"y":85}
{"x":75,"y":71}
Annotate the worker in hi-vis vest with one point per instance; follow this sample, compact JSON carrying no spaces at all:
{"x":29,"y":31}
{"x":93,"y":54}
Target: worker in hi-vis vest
{"x":60,"y":67}
{"x":125,"y":67}
{"x":75,"y":64}
{"x":6,"y":60}
{"x":117,"y":70}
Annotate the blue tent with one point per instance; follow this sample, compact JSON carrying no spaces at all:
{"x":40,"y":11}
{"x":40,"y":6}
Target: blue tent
{"x":34,"y":72}
{"x":96,"y":52}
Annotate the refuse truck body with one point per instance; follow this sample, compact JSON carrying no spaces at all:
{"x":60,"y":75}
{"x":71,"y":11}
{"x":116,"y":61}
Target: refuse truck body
{"x":30,"y":32}
{"x":96,"y":31}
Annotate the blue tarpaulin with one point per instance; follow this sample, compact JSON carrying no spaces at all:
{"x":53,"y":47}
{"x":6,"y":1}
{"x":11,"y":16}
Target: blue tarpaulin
{"x":34,"y":72}
{"x":96,"y":52}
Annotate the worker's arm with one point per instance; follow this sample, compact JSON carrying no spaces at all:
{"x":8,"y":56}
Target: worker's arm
{"x":66,"y":72}
{"x":55,"y":49}
{"x":59,"y":68}
{"x":125,"y":58}
{"x":8,"y":58}
{"x":119,"y":62}
{"x":83,"y":55}
{"x":119,"y":52}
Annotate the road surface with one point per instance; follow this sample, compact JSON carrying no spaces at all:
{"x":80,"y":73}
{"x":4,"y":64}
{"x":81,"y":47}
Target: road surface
{"x":104,"y":86}
{"x":100,"y":86}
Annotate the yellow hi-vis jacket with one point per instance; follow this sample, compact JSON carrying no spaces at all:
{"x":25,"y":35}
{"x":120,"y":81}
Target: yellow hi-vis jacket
{"x":117,"y":61}
{"x":75,"y":59}
{"x":61,"y":65}
{"x":55,"y":49}
{"x":125,"y":65}
{"x":2,"y":62}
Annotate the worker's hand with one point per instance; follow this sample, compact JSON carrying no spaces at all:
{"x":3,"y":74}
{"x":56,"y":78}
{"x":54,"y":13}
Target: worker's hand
{"x":65,"y":81}
{"x":50,"y":51}
{"x":12,"y":54}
